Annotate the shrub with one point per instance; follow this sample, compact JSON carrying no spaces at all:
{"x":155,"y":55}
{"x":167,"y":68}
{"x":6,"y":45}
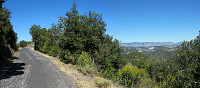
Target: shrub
{"x":168,"y":81}
{"x":85,"y":65}
{"x":65,"y":56}
{"x":53,"y":51}
{"x":148,"y":83}
{"x":87,"y":69}
{"x":107,"y":69}
{"x":101,"y":82}
{"x":23,"y":43}
{"x":84,"y":59}
{"x":44,"y":49}
{"x":130,"y":75}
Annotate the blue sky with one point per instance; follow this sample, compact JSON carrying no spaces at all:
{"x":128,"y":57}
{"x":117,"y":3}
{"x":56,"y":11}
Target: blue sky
{"x":127,"y":20}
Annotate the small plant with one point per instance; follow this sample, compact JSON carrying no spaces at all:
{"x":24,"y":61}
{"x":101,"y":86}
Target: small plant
{"x":84,"y":59}
{"x":65,"y":56}
{"x":168,"y":81}
{"x":101,"y":82}
{"x":87,"y":69}
{"x":85,"y":65}
{"x":130,"y":75}
{"x":108,"y":70}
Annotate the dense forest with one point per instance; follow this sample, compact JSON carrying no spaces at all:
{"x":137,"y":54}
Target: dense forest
{"x":82,"y":41}
{"x":8,"y":37}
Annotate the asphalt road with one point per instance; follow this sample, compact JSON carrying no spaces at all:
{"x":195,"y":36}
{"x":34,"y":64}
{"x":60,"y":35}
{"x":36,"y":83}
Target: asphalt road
{"x":32,"y":70}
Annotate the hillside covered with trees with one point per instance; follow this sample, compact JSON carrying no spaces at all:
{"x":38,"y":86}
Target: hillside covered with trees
{"x":164,"y":52}
{"x":82,"y":41}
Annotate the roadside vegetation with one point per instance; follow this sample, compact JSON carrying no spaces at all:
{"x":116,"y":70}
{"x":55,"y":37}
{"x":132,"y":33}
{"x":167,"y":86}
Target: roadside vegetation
{"x":24,"y":43}
{"x":8,"y":37}
{"x":81,"y":40}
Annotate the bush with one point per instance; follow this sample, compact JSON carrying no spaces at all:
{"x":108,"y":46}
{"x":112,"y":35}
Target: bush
{"x":23,"y":43}
{"x":168,"y":81}
{"x":130,"y":75}
{"x":136,"y":59}
{"x":85,"y":65}
{"x":84,"y":59}
{"x":148,"y":83}
{"x":87,"y":69}
{"x":65,"y":56}
{"x":44,"y":49}
{"x":101,"y":82}
{"x":107,"y":69}
{"x":53,"y":51}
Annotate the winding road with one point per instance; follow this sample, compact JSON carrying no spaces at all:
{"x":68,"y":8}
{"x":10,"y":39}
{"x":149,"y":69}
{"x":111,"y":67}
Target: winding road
{"x":32,"y":70}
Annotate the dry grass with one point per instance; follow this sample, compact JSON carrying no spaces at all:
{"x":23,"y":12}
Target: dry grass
{"x":81,"y":80}
{"x":101,"y":82}
{"x":15,"y":54}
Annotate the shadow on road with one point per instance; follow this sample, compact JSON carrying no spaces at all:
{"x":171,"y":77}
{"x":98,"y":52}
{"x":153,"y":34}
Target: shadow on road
{"x":12,"y":69}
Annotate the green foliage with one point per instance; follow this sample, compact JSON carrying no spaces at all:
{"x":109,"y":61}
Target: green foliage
{"x":85,"y":65}
{"x":29,"y":42}
{"x":87,"y":33}
{"x":39,"y":37}
{"x":148,"y":83}
{"x":130,"y":75}
{"x":81,"y":40}
{"x":180,"y":71}
{"x":44,"y":49}
{"x":7,"y":34}
{"x":187,"y":60}
{"x":84,"y":59}
{"x":107,"y":69}
{"x":163,"y":72}
{"x":76,"y":33}
{"x":66,"y":56}
{"x":168,"y":82}
{"x":8,"y":37}
{"x":23,"y":43}
{"x":137,"y":59}
{"x":53,"y":51}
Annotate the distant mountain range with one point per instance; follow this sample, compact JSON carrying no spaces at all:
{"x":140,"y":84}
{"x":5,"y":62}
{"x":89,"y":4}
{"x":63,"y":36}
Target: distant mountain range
{"x":149,"y":44}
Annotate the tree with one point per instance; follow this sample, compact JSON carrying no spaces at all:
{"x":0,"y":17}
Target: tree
{"x":39,"y":36}
{"x":23,"y":43}
{"x":8,"y":37}
{"x":70,"y":37}
{"x":187,"y":59}
{"x":75,"y":34}
{"x":34,"y":31}
{"x":87,"y":33}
